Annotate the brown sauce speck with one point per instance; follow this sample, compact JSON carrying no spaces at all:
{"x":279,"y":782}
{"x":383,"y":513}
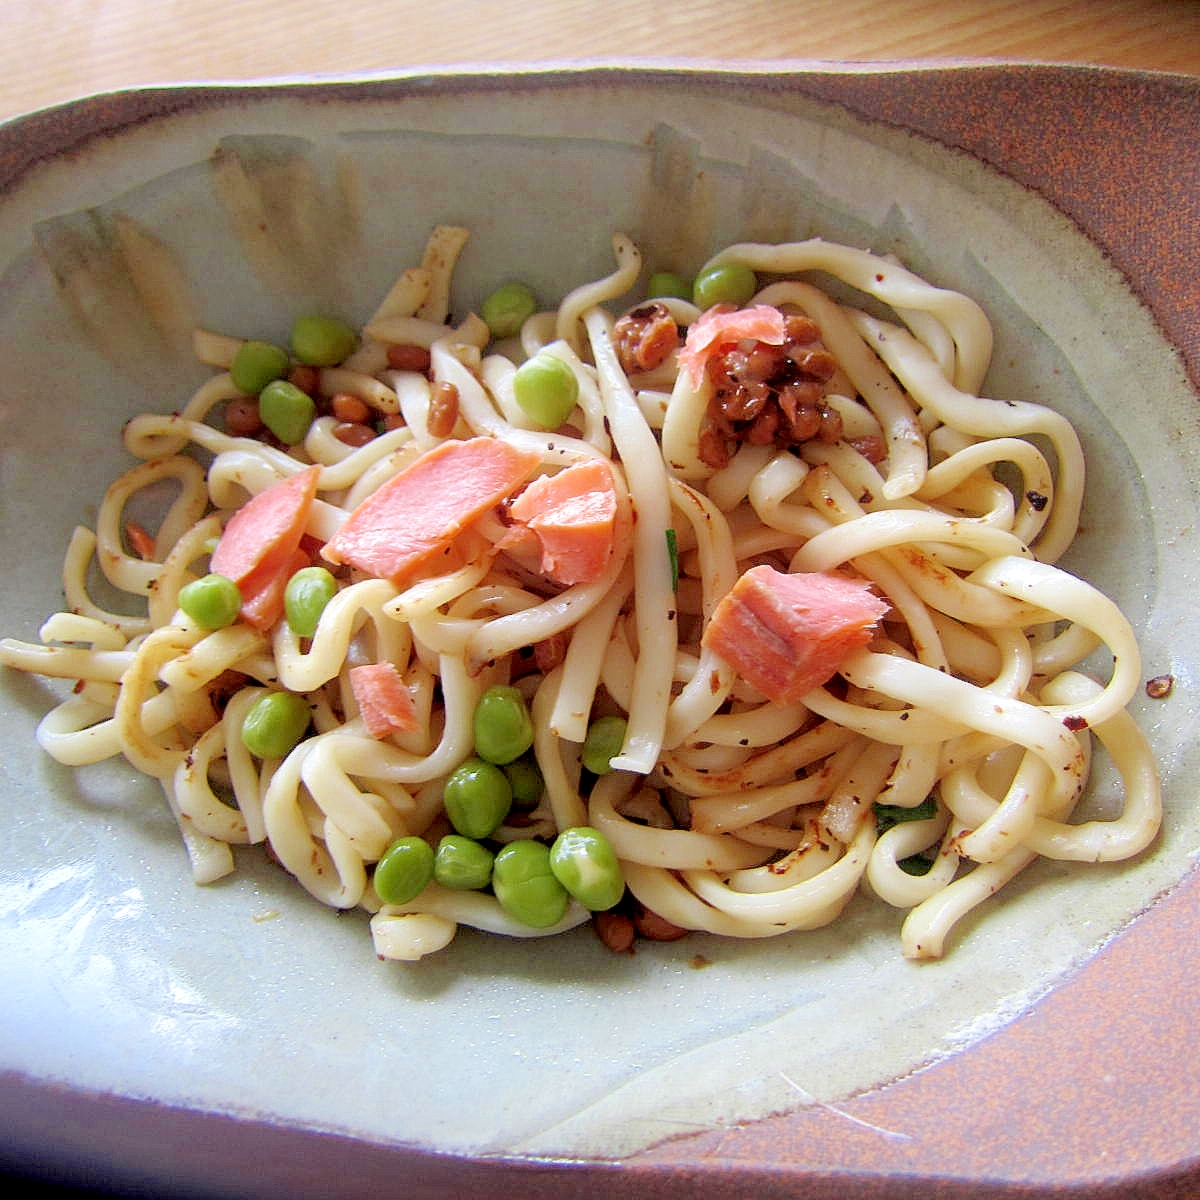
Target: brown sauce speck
{"x":1160,"y":686}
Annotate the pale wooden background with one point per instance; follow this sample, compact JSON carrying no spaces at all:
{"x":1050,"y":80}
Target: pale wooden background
{"x":56,"y":50}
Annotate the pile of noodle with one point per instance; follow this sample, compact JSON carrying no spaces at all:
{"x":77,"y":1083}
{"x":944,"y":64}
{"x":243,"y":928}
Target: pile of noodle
{"x":730,"y":814}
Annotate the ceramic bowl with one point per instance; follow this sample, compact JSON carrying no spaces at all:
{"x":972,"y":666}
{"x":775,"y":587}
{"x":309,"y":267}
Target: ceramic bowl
{"x":240,"y":1039}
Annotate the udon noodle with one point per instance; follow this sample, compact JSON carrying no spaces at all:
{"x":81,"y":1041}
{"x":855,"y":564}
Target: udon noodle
{"x":730,"y":813}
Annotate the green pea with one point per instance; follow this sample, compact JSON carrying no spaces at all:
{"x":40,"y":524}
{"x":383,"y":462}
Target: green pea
{"x":667,"y":283}
{"x":286,"y":411}
{"x":732,"y":283}
{"x":305,"y":597}
{"x":322,"y":341}
{"x":605,"y":736}
{"x":526,"y":782}
{"x":525,"y":885}
{"x":404,"y":871}
{"x":546,"y":389}
{"x":256,"y":364}
{"x":508,"y":308}
{"x":462,"y":863}
{"x":212,"y":601}
{"x":477,"y":797}
{"x":275,"y":724}
{"x":585,"y":863}
{"x":503,"y":727}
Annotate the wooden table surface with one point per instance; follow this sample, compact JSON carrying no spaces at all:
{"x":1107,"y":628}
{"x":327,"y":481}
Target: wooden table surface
{"x":56,"y":50}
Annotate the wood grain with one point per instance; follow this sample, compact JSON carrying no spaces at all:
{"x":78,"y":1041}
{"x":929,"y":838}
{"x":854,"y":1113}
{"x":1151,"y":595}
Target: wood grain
{"x":55,"y":52}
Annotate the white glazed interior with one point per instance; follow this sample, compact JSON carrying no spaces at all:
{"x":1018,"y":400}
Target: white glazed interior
{"x":117,"y":974}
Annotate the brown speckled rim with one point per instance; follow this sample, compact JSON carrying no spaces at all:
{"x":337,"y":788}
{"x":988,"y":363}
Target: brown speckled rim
{"x":1094,"y":1092}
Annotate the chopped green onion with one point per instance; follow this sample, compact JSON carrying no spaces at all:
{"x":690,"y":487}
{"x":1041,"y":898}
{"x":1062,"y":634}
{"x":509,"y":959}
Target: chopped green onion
{"x":887,"y":815}
{"x":673,"y":554}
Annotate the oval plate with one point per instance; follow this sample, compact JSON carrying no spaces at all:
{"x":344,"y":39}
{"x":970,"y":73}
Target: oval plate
{"x":240,"y":1038}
